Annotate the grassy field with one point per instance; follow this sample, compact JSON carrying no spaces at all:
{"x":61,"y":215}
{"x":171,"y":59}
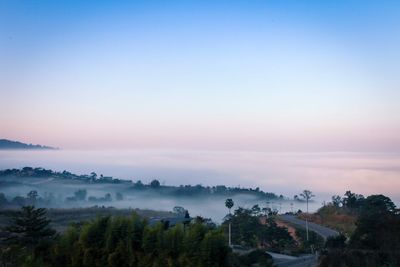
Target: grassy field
{"x":62,"y":218}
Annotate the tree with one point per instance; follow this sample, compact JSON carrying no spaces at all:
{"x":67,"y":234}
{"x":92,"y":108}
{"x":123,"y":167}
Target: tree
{"x":119,"y":196}
{"x":213,"y":249}
{"x":155,"y":184}
{"x":373,"y":221}
{"x":29,"y":226}
{"x":246,"y":227}
{"x":3,"y":200}
{"x":336,"y":242}
{"x":32,"y":196}
{"x":352,"y":201}
{"x":307,"y":195}
{"x":139,"y":184}
{"x":256,"y":210}
{"x":336,"y":200}
{"x":266,"y":210}
{"x":80,"y":194}
{"x":229,"y":204}
{"x":179,"y":210}
{"x":250,"y":231}
{"x":107,"y":197}
{"x":376,"y":239}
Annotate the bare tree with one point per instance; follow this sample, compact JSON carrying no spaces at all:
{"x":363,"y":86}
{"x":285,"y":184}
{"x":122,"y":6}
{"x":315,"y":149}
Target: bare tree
{"x":307,"y":195}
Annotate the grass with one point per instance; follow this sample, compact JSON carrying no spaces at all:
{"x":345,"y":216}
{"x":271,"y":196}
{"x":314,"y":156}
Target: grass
{"x":333,"y":217}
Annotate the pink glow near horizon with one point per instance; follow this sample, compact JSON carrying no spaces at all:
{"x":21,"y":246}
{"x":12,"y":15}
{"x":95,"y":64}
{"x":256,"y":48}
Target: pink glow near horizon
{"x":202,"y":133}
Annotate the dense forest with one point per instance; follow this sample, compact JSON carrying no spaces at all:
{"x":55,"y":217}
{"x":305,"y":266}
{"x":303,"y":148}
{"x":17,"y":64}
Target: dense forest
{"x":130,"y":240}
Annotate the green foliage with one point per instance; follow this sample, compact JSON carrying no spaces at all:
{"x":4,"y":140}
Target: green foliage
{"x":376,"y":239}
{"x":352,"y":201}
{"x":336,"y":242}
{"x":32,"y":197}
{"x":336,"y":201}
{"x":315,"y":241}
{"x":130,"y":241}
{"x":377,"y":216}
{"x":155,"y":184}
{"x":256,"y":210}
{"x":80,"y":194}
{"x":248,"y":230}
{"x":245,"y":227}
{"x":29,"y":226}
{"x":28,"y":238}
{"x":277,"y":238}
{"x":229,"y":204}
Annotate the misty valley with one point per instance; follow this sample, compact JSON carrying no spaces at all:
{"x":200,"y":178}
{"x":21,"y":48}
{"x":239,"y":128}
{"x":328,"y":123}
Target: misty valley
{"x":199,"y":133}
{"x":50,"y":218}
{"x":49,"y":189}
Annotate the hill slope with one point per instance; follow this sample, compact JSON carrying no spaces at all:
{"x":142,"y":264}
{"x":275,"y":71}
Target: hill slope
{"x":8,"y":144}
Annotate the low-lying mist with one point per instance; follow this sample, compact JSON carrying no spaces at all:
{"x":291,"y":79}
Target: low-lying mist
{"x":54,"y":192}
{"x":325,"y":174}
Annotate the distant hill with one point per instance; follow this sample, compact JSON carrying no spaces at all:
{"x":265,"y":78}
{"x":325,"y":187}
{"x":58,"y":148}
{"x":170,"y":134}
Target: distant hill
{"x":52,"y":179}
{"x":8,"y":144}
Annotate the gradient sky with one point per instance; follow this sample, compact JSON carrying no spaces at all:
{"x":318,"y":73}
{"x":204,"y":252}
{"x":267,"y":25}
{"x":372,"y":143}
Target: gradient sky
{"x":247,"y":75}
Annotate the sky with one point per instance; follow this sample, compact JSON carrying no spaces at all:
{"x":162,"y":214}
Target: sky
{"x":312,"y":76}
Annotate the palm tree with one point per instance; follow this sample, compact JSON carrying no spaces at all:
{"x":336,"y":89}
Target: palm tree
{"x":229,"y":204}
{"x":307,"y":195}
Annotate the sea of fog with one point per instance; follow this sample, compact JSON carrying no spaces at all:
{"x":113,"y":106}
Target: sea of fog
{"x":325,"y":174}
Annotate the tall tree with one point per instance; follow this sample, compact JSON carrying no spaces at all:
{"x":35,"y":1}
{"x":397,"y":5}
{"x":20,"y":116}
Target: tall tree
{"x":29,"y":226}
{"x":307,"y":195}
{"x":229,"y":204}
{"x":155,"y":184}
{"x":336,"y":200}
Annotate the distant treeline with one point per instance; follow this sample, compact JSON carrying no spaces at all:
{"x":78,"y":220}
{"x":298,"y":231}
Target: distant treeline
{"x":154,"y":185}
{"x":49,"y":200}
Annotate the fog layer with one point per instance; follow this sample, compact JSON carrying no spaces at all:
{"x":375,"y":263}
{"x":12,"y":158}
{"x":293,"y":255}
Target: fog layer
{"x":282,"y":173}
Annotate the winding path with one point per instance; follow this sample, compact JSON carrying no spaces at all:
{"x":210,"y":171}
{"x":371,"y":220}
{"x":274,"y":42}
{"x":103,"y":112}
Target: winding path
{"x":323,"y":231}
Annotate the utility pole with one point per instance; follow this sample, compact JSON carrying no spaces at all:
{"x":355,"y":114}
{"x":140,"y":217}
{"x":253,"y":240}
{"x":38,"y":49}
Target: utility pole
{"x":307,"y":220}
{"x":230,"y":242}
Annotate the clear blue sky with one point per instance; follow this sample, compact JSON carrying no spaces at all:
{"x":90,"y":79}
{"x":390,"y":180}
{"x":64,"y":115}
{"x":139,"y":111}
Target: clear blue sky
{"x":250,"y":75}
